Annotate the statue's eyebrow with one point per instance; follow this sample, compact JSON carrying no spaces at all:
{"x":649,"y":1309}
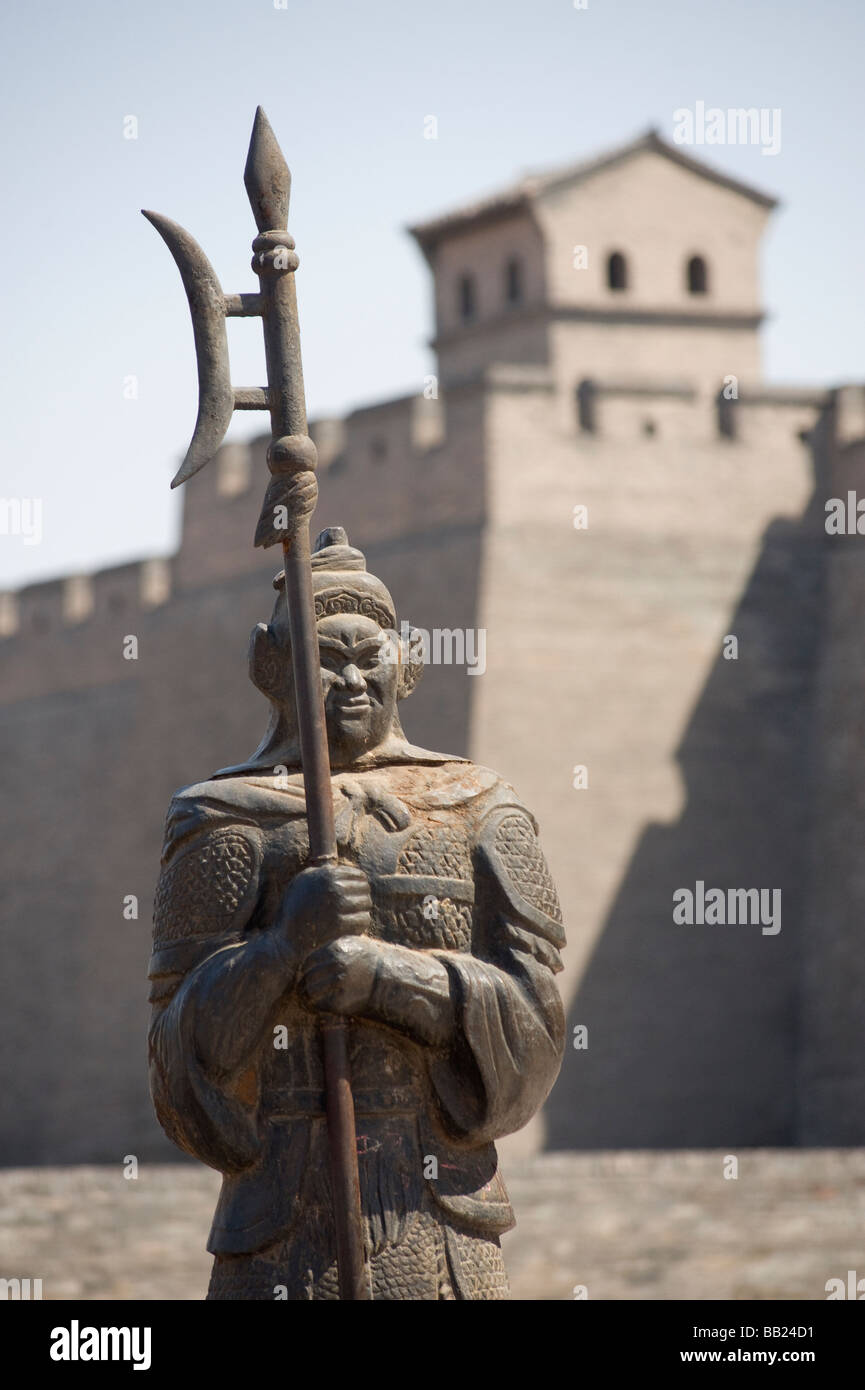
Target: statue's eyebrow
{"x":368,"y":644}
{"x":333,"y":644}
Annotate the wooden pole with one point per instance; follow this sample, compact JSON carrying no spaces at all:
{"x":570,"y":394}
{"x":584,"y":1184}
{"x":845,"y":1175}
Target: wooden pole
{"x":268,"y":184}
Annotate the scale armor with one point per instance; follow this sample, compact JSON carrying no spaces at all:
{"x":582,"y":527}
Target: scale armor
{"x":434,"y":919}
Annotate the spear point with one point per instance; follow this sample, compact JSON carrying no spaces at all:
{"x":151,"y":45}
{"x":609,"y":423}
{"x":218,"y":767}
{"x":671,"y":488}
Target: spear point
{"x":267,"y":177}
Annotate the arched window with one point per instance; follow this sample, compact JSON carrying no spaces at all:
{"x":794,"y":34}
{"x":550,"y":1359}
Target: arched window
{"x":514,"y":280}
{"x":466,"y":297}
{"x":617,"y":271}
{"x":698,"y":276}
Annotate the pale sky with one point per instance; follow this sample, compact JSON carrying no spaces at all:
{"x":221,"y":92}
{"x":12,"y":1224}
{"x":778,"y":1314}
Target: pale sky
{"x":92,"y":297}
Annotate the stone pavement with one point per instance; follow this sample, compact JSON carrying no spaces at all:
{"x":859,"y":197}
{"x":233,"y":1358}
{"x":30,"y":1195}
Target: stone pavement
{"x":627,"y":1225}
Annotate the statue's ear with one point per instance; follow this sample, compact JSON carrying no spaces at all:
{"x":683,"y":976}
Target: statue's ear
{"x":411,"y":664}
{"x":269,"y":663}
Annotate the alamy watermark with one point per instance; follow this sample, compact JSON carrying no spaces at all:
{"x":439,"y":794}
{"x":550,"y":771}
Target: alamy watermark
{"x":20,"y":1289}
{"x":845,"y":518}
{"x":853,"y":1288}
{"x":737,"y":125}
{"x":22,"y":516}
{"x":444,"y":646}
{"x":77,"y":1343}
{"x":732,"y":907}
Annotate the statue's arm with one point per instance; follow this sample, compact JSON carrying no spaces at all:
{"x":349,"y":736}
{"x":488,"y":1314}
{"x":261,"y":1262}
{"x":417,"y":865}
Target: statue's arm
{"x":202,"y":972}
{"x":217,"y":984}
{"x":510,"y":1027}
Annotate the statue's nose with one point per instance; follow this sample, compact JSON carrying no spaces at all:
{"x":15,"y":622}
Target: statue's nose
{"x":353,"y":679}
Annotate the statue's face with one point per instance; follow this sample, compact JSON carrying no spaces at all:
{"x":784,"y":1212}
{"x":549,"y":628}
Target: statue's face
{"x":360,"y":685}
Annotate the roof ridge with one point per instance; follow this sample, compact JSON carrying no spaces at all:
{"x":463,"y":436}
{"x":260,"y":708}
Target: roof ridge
{"x":516,"y":194}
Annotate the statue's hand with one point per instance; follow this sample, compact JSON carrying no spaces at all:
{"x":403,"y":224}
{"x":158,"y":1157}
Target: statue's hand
{"x":322,"y":904}
{"x":339,"y":978}
{"x":406,"y":989}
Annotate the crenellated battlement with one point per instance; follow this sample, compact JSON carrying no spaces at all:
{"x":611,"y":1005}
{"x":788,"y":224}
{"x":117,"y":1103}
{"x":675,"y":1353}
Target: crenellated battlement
{"x":409,"y":464}
{"x":81,"y":600}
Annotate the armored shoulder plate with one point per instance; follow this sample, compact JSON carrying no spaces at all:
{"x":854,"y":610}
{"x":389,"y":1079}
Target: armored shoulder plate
{"x":509,"y":847}
{"x":204,"y":896}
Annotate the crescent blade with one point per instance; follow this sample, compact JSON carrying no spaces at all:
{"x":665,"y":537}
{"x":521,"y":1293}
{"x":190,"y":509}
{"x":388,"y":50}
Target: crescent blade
{"x":207,"y":307}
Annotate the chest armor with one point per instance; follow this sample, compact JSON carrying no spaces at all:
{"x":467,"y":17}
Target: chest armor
{"x":420,"y":871}
{"x":422,"y":884}
{"x":422,"y":887}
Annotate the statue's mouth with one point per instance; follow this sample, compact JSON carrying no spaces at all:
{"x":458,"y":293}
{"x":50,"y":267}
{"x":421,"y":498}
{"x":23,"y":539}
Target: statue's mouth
{"x":357,"y":705}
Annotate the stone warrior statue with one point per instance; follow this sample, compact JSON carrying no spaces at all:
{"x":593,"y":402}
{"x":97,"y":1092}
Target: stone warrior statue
{"x":355,"y":939}
{"x":438,"y":934}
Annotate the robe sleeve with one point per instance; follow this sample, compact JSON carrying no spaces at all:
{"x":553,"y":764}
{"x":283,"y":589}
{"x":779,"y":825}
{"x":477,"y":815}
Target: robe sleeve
{"x":510,"y":1032}
{"x":203,"y":1092}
